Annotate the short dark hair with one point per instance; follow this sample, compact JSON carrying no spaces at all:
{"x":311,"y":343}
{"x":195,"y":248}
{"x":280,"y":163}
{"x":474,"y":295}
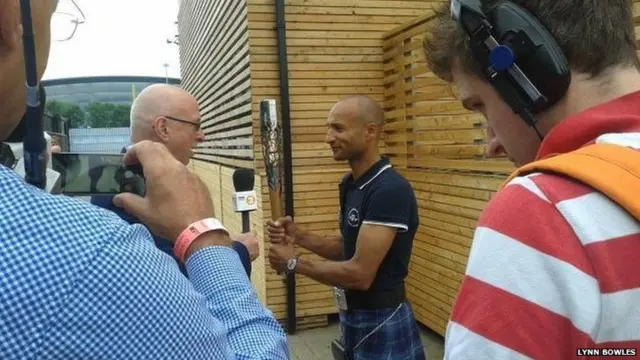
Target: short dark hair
{"x":593,"y":34}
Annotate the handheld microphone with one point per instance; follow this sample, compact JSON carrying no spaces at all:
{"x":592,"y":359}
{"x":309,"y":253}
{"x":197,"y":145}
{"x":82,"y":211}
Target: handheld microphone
{"x":244,"y":198}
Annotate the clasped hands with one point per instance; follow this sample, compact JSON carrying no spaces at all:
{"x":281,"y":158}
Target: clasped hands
{"x":282,"y":234}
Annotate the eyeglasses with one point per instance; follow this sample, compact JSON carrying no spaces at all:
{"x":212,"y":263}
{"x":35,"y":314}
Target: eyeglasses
{"x":195,"y":124}
{"x":65,"y":23}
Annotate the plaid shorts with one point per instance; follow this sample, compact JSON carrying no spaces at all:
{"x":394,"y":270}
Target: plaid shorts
{"x":398,"y":339}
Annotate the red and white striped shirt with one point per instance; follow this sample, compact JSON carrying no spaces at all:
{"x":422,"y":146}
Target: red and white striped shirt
{"x":554,"y":265}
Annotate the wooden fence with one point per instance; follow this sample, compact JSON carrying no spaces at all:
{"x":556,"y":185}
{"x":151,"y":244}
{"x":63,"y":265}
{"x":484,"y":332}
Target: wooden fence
{"x":214,"y":59}
{"x":214,"y":55}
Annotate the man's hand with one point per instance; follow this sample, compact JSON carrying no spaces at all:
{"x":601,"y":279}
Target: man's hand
{"x":175,"y":198}
{"x":282,"y":230}
{"x":278,"y":256}
{"x":250,"y":241}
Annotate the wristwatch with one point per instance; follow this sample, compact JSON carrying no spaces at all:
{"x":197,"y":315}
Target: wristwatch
{"x":291,"y":265}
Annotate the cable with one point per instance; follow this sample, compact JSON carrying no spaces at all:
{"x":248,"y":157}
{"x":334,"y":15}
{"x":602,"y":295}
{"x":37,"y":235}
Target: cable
{"x":530,"y":120}
{"x":537,"y":132}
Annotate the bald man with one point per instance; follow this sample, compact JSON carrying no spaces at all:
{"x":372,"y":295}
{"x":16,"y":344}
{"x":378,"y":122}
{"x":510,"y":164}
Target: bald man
{"x":368,"y":263}
{"x":170,"y":115}
{"x":167,"y":114}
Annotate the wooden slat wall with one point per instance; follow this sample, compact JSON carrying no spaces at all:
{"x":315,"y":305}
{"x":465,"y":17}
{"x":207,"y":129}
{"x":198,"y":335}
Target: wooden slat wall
{"x":334,"y":50}
{"x":442,"y":146}
{"x":219,"y":180}
{"x":214,"y":59}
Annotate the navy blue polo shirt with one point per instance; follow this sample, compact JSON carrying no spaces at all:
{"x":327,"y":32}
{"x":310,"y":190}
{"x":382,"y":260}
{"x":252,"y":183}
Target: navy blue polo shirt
{"x":381,"y":196}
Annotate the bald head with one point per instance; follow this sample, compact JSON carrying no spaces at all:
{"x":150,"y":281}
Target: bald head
{"x":169,"y":115}
{"x":355,"y":127}
{"x":361,"y":108}
{"x":155,"y":101}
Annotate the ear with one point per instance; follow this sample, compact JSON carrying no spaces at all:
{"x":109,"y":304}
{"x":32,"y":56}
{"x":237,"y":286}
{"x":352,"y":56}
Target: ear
{"x":160,"y":128}
{"x":371,"y":131}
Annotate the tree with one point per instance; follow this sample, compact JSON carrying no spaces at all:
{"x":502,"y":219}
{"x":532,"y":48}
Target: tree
{"x":107,"y":115}
{"x":96,"y":115}
{"x":72,"y":112}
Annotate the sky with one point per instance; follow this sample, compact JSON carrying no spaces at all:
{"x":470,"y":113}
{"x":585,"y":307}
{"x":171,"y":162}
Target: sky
{"x":119,"y":37}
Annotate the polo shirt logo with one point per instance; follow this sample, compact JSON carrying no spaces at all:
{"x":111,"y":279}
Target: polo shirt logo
{"x":353,"y":218}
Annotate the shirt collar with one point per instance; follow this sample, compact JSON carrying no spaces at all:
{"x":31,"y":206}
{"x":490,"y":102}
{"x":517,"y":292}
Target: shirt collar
{"x":369,"y":175}
{"x":616,"y":116}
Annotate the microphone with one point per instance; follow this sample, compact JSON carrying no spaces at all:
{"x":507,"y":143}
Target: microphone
{"x":244,"y":198}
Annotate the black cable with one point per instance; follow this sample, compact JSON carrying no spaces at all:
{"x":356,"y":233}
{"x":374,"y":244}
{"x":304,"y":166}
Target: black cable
{"x":537,"y":132}
{"x":530,"y":120}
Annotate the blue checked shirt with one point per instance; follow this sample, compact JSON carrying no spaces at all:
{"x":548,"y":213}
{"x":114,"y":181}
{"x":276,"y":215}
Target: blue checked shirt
{"x":77,"y":282}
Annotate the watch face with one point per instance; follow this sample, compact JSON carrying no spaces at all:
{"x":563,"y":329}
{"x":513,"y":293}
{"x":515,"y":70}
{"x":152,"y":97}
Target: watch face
{"x":291,"y":264}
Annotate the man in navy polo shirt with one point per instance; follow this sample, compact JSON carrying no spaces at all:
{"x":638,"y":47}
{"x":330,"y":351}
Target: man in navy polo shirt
{"x":167,"y":114}
{"x":369,"y":261}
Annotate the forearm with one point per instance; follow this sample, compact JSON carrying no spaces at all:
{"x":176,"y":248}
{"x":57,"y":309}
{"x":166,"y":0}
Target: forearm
{"x":328,"y":247}
{"x":216,"y":272}
{"x":343,"y":274}
{"x":132,"y":291}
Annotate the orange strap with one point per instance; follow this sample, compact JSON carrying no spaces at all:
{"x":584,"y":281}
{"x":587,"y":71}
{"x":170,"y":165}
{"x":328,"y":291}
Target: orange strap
{"x":613,"y":170}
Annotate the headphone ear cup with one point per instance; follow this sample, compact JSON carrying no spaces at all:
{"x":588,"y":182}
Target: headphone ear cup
{"x":536,"y":51}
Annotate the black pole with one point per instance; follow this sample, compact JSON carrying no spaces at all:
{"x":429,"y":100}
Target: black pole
{"x":34,"y":143}
{"x":286,"y":149}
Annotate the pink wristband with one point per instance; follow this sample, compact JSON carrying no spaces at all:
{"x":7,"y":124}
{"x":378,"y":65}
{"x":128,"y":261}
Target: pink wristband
{"x":192,"y":232}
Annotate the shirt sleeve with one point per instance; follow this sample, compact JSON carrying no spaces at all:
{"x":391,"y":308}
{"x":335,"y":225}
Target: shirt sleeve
{"x":244,"y":255}
{"x":106,"y":202}
{"x":132,"y":302}
{"x":389,"y":206}
{"x":529,"y":289}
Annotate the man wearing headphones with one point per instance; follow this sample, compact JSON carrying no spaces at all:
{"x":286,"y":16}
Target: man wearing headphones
{"x":553,"y":266}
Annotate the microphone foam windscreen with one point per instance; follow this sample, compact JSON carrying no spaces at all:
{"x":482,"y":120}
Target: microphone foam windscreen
{"x":243,"y":179}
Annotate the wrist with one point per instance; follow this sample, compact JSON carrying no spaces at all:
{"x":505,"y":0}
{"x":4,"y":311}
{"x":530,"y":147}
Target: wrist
{"x":211,"y":238}
{"x":300,"y":238}
{"x":202,"y":233}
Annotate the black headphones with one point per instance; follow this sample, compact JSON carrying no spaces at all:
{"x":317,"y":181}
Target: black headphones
{"x":519,"y":56}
